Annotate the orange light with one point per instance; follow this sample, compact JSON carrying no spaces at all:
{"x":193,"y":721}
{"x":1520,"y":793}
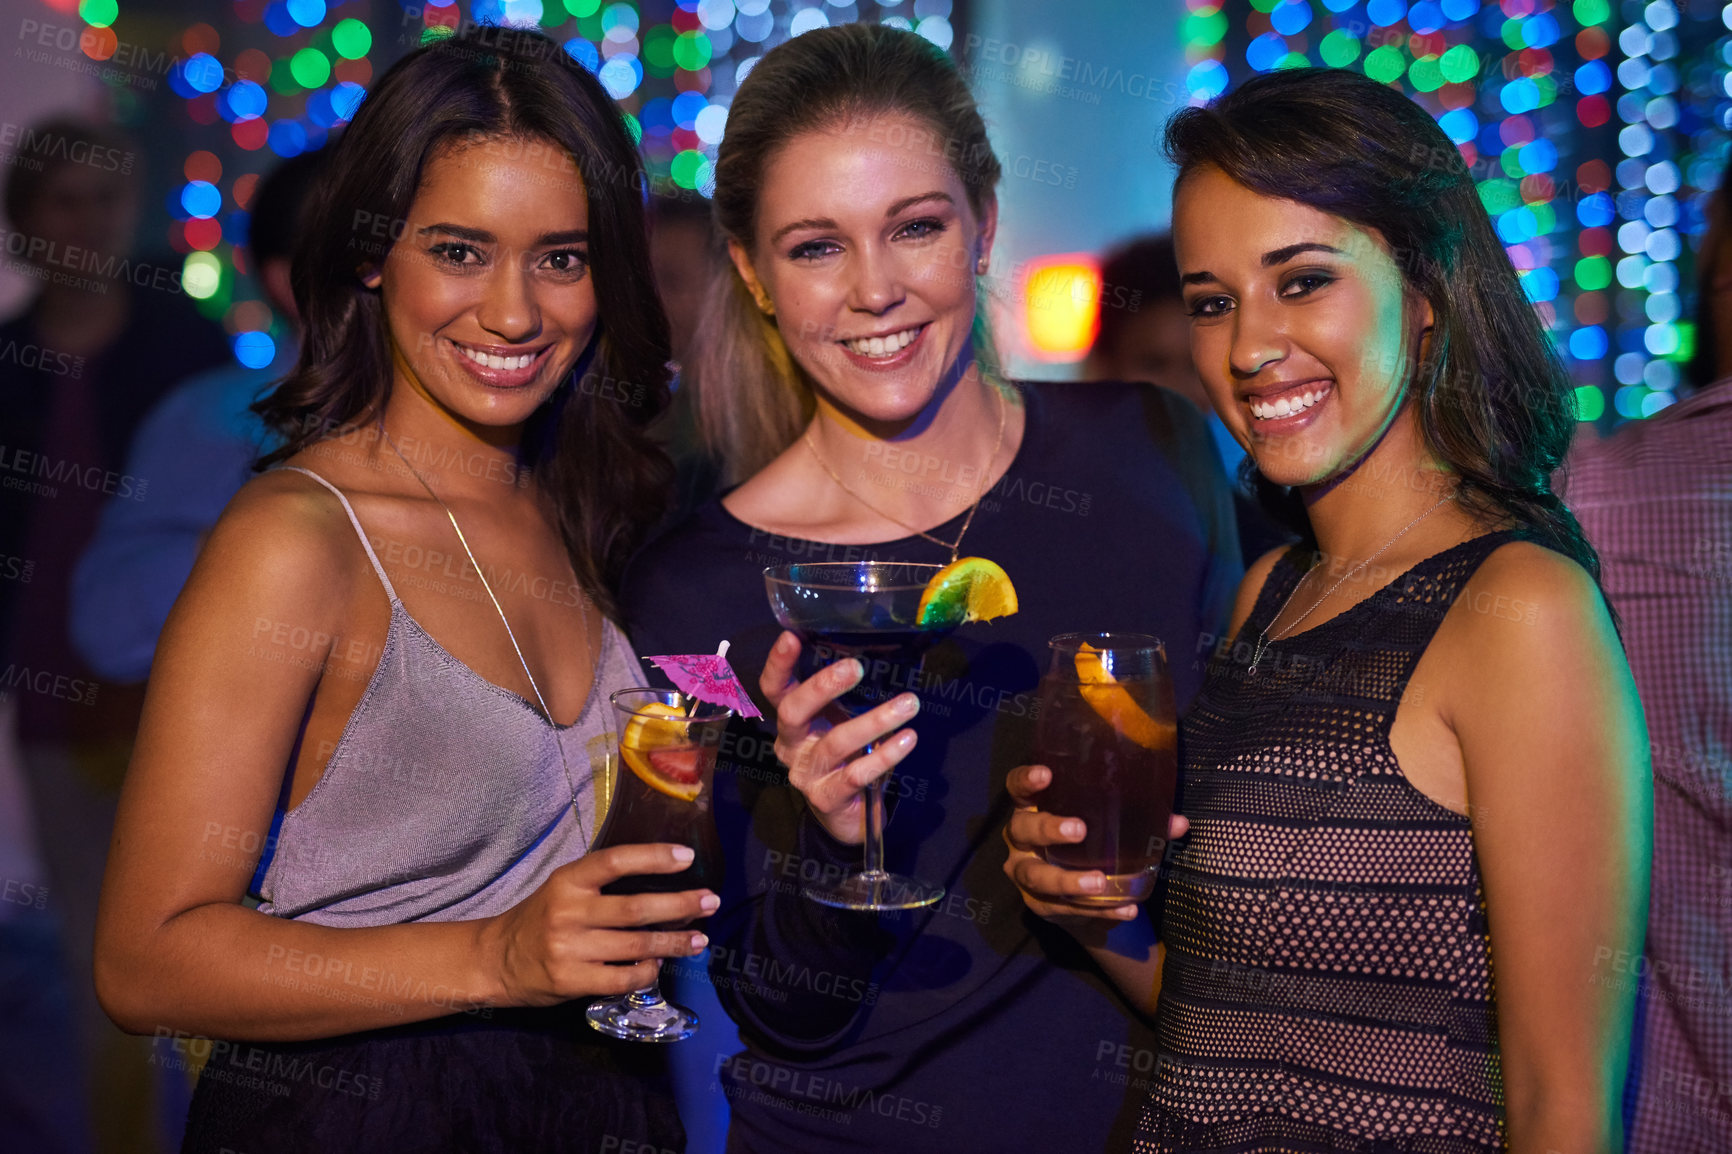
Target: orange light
{"x":1061,"y":306}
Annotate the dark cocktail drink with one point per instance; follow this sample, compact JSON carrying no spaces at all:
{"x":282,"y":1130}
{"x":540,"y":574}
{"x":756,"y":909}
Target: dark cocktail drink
{"x":1107,"y":732}
{"x":662,"y":792}
{"x":889,"y":658}
{"x":872,"y":611}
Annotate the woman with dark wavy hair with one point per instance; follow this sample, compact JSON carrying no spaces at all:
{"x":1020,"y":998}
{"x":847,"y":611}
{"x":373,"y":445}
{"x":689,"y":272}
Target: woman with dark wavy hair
{"x":1416,"y":776}
{"x":354,"y":832}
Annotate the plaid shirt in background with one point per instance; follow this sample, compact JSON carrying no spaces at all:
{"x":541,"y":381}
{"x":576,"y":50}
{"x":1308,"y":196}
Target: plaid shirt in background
{"x":1656,"y":501}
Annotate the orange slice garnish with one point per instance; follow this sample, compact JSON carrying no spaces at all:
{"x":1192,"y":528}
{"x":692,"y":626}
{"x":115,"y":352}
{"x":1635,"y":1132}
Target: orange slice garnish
{"x":657,"y":749}
{"x":1113,"y":702}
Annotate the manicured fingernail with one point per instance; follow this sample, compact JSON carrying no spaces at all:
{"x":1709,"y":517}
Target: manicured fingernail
{"x":850,"y":671}
{"x":907,"y":705}
{"x":787,"y":643}
{"x":903,"y":743}
{"x":1092,"y":883}
{"x":699,"y":941}
{"x":1071,"y":827}
{"x":1125,"y":913}
{"x":710,"y":903}
{"x":684,"y":854}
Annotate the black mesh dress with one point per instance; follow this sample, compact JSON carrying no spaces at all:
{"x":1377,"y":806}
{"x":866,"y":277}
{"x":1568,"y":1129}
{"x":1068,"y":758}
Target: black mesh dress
{"x":1328,"y":972}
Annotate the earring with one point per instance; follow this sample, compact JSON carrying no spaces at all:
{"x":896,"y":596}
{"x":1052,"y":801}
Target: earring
{"x":980,"y":267}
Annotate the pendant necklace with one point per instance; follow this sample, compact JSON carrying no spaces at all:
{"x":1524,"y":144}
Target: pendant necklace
{"x":1263,"y":638}
{"x":547,"y":714}
{"x":955,"y":546}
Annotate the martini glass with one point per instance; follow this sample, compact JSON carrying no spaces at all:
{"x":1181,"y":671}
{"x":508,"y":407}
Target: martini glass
{"x":867,"y":610}
{"x":662,"y":791}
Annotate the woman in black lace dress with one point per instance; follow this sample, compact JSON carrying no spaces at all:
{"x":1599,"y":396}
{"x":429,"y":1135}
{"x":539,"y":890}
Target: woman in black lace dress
{"x":1416,"y":776}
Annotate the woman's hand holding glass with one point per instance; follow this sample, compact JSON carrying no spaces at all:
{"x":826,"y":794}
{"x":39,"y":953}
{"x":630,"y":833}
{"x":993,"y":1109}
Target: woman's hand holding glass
{"x":1055,"y":892}
{"x":819,"y":742}
{"x":567,"y":939}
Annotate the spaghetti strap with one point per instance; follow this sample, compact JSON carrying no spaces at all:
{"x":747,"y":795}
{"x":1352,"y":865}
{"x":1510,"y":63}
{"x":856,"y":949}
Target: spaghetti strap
{"x":356,"y":522}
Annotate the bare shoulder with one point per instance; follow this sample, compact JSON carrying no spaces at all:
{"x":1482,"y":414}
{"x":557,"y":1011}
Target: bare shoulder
{"x":282,"y":531}
{"x":1522,"y":583}
{"x":1255,"y":576}
{"x":1529,"y":633}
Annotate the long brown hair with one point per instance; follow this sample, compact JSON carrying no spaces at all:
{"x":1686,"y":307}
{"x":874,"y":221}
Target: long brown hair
{"x":1492,"y":398}
{"x":753,"y":398}
{"x":587,"y":448}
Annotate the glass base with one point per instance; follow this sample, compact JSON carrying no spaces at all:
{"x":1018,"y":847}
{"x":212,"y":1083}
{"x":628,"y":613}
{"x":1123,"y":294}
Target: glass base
{"x":1124,"y":889}
{"x":644,"y":1016}
{"x":876,"y":890}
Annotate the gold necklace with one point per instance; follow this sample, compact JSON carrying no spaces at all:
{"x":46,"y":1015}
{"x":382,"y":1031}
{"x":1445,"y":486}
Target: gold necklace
{"x":1263,"y":638}
{"x":955,"y":546}
{"x":558,"y":738}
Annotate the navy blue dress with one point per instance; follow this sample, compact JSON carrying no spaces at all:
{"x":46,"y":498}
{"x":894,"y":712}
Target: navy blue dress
{"x":971,"y":1025}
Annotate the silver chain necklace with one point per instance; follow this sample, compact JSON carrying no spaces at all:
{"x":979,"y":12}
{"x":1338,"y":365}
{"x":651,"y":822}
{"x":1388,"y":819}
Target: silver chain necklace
{"x":547,"y":714}
{"x":1263,"y":638}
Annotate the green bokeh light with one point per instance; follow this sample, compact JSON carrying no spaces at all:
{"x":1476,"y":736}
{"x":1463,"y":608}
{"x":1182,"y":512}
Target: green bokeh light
{"x":685,"y":168}
{"x":1204,"y":28}
{"x":352,"y":39}
{"x":1426,"y":75}
{"x":1499,"y":196}
{"x":100,"y":13}
{"x":1588,"y":12}
{"x":201,"y":275}
{"x":1385,"y":64}
{"x":283,"y":80}
{"x":1593,"y":273}
{"x":582,"y":8}
{"x":310,"y":68}
{"x":692,"y":51}
{"x":658,"y":50}
{"x":1339,"y":49}
{"x":1590,"y":403}
{"x":1459,"y":64}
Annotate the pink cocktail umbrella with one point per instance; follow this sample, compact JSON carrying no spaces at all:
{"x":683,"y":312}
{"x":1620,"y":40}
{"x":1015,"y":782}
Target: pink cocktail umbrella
{"x":707,"y":677}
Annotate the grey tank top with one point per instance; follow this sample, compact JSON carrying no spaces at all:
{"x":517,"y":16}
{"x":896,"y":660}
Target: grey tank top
{"x":444,"y":799}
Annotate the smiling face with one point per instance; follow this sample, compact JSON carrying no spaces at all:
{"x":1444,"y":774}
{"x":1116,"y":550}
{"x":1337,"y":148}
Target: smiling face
{"x":867,"y":250}
{"x":487,"y":293}
{"x":1302,"y":328}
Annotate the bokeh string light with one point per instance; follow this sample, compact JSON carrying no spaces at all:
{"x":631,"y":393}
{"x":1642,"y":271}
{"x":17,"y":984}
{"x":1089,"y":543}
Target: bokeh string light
{"x":1590,"y":139}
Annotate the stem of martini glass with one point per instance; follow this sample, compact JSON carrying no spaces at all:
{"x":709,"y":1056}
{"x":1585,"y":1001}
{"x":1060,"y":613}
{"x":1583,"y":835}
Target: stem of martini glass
{"x":875,"y":829}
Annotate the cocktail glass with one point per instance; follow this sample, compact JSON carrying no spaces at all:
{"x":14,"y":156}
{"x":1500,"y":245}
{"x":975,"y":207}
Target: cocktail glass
{"x":867,"y":610}
{"x":1107,"y":733}
{"x":662,"y":793}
